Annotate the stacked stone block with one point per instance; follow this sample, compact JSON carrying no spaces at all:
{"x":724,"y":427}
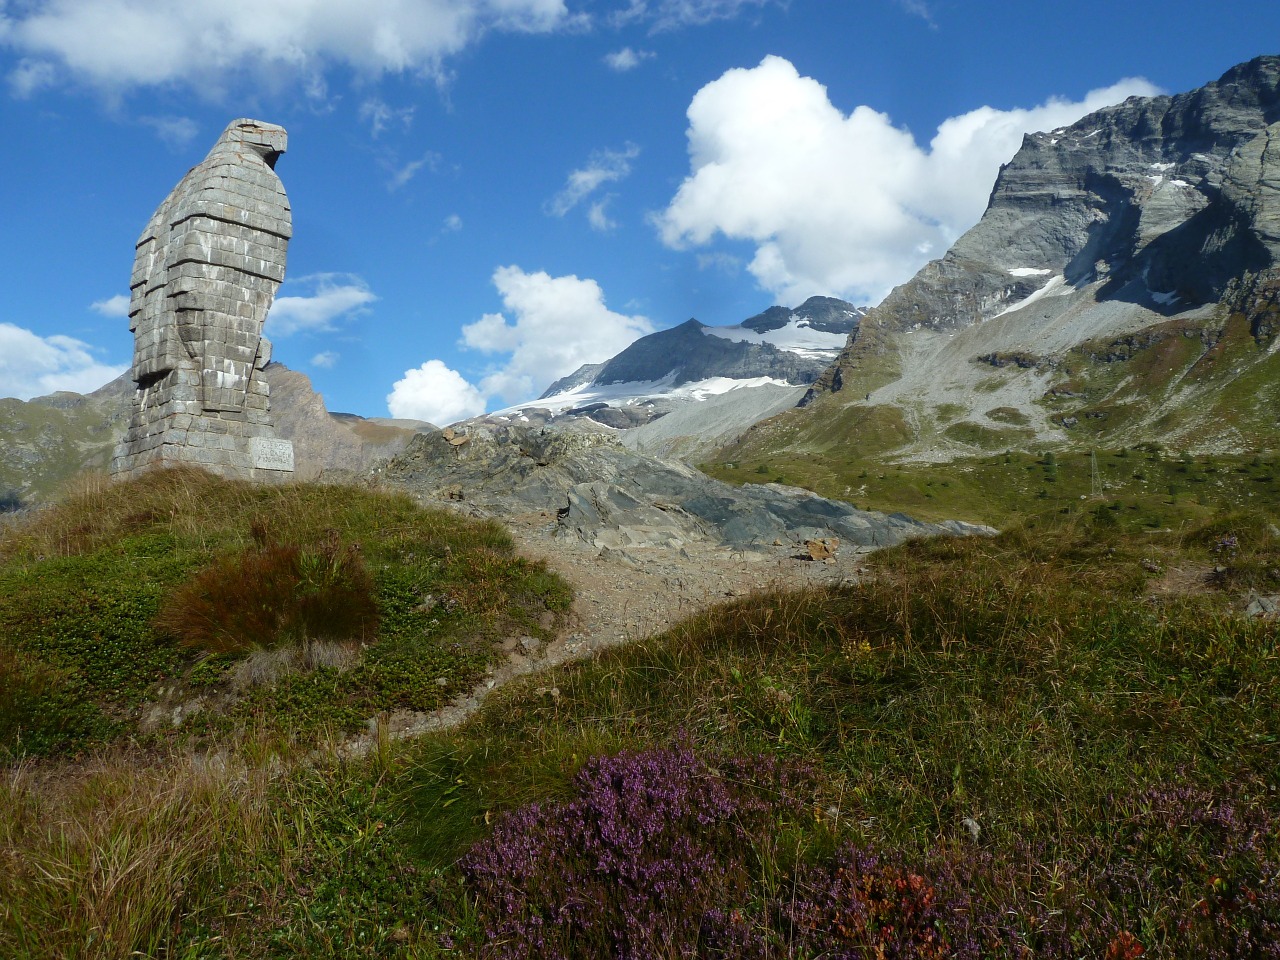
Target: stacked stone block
{"x":207,"y":268}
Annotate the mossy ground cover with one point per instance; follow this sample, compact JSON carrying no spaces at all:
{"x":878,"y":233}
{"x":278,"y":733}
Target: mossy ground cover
{"x":1144,"y":488}
{"x":83,"y":586}
{"x":1021,"y":746}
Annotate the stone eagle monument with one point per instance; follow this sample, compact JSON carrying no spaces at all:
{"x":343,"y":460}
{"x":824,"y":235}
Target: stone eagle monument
{"x":207,"y":268}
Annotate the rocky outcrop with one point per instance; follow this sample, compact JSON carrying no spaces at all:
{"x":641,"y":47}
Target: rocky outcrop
{"x":608,"y":496}
{"x":1181,"y":193}
{"x":325,"y":444}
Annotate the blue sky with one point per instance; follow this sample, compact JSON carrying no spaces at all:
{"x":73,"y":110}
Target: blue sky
{"x":488,"y":193}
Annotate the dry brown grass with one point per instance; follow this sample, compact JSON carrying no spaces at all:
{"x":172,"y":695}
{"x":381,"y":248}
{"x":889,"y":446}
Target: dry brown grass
{"x":99,"y":860}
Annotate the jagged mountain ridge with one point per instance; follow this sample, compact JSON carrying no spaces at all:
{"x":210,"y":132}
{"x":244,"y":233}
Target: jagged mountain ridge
{"x":693,"y":351}
{"x":1122,"y":286}
{"x":825,"y":314}
{"x":685,"y":391}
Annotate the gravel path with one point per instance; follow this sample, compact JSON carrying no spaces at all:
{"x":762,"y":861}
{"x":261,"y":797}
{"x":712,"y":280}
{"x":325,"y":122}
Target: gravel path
{"x":621,"y":595}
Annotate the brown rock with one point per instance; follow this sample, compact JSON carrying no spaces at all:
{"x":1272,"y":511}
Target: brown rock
{"x":823,"y":548}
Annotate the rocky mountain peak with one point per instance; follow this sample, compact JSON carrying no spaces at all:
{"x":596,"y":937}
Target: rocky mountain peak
{"x":826,"y":314}
{"x":1154,"y":218}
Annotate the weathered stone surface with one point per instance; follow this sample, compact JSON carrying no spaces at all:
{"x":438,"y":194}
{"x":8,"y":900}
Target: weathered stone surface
{"x":608,"y":496}
{"x":824,"y":548}
{"x":207,"y":267}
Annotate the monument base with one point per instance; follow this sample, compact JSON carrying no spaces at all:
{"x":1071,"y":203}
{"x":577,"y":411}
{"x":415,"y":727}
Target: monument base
{"x":169,"y":426}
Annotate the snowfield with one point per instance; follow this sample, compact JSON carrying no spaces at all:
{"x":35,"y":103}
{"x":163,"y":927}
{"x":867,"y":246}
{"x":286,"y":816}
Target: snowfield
{"x":797,"y":337}
{"x":634,"y":391}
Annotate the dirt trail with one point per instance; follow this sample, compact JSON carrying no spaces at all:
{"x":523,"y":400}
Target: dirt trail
{"x":622,"y":595}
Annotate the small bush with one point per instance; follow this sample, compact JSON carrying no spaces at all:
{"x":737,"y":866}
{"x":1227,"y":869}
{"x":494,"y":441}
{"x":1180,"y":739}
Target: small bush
{"x":272,"y":595}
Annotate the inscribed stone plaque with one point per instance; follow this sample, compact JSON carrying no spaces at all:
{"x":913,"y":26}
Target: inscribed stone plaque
{"x":268,"y":453}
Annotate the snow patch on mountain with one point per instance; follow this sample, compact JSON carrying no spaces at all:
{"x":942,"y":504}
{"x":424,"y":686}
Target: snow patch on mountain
{"x":1056,"y":287}
{"x":637,"y":392}
{"x":797,"y":336}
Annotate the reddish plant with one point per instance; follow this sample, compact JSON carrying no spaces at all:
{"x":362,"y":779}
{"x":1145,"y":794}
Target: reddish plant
{"x":1124,"y":946}
{"x":271,"y":595}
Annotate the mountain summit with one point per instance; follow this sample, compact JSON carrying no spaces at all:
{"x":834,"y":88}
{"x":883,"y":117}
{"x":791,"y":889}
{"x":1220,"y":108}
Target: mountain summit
{"x":1122,"y":286}
{"x":794,"y":346}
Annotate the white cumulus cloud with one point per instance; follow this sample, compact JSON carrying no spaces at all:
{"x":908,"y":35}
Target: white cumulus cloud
{"x":326,"y":299}
{"x":119,"y":44}
{"x":603,"y":166}
{"x":435,"y":393}
{"x":559,"y":323}
{"x":841,"y":204}
{"x":32,"y":365}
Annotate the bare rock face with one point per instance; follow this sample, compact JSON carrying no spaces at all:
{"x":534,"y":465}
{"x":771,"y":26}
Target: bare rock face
{"x":207,"y":268}
{"x":608,"y":496}
{"x":330,"y":446}
{"x":1178,"y":196}
{"x":1151,"y":220}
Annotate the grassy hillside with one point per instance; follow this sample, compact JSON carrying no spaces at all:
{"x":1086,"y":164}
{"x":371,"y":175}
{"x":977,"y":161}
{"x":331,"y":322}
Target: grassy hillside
{"x":1144,"y":488}
{"x":1056,"y":743}
{"x":181,"y":605}
{"x":47,"y":444}
{"x":1205,"y":382}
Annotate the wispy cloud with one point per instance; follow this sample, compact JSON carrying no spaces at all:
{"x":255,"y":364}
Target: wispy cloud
{"x":598,"y":215}
{"x":29,"y":76}
{"x":402,"y":174}
{"x":323,"y":300}
{"x":627,"y":59}
{"x":725,"y":263}
{"x":379,"y":116}
{"x":117,"y":306}
{"x":174,"y":132}
{"x":674,"y":14}
{"x":919,"y":8}
{"x":326,"y":360}
{"x":603,"y":166}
